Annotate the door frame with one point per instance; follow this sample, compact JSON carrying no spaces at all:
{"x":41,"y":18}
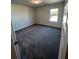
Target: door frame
{"x":14,"y":40}
{"x":64,"y":39}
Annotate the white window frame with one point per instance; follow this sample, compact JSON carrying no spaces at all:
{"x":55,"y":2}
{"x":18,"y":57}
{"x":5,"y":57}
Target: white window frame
{"x":54,"y":18}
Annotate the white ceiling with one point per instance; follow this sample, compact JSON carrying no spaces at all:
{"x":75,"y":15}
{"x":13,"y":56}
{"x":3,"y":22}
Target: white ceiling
{"x":44,"y":2}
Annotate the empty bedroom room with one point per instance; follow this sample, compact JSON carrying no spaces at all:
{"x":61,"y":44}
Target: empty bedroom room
{"x":39,"y":28}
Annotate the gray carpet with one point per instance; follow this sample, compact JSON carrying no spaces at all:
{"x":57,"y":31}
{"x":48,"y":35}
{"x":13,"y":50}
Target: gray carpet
{"x":39,"y":42}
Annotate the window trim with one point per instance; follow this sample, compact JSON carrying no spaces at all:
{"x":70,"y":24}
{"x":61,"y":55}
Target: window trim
{"x":50,"y":15}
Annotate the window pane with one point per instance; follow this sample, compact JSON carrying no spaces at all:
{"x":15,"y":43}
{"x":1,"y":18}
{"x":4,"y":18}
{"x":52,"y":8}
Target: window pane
{"x":54,"y":14}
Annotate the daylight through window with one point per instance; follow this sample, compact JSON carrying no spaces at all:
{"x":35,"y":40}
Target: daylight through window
{"x":54,"y":15}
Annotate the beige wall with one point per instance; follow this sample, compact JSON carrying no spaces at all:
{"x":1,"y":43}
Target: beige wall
{"x":43,"y":15}
{"x":22,"y":16}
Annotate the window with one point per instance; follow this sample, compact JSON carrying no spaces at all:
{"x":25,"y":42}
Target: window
{"x":54,"y":15}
